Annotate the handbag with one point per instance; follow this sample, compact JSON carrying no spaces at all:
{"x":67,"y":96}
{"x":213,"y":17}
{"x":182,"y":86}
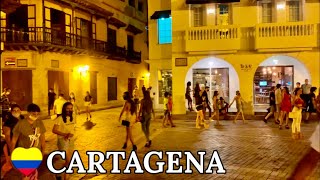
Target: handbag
{"x":125,"y":123}
{"x":292,"y":114}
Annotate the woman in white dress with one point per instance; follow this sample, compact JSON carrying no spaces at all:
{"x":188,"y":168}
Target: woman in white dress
{"x":87,"y":103}
{"x":129,"y":109}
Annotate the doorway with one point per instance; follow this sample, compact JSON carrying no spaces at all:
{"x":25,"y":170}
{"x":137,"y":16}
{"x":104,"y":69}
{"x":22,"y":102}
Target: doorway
{"x":21,"y":93}
{"x":59,"y":82}
{"x":112,"y":88}
{"x":131,"y":83}
{"x":93,"y":87}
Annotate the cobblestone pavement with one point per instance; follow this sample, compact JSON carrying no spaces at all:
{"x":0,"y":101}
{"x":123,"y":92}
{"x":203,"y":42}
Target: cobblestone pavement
{"x":248,"y":151}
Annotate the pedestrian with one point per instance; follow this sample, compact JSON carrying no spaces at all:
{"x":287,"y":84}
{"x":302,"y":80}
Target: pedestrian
{"x":223,"y":106}
{"x":87,"y":103}
{"x":239,"y":104}
{"x":144,"y":114}
{"x":305,"y":93}
{"x":71,"y":96}
{"x":297,"y":115}
{"x":129,"y":108}
{"x":30,"y":132}
{"x":170,"y":106}
{"x":200,"y":115}
{"x":143,"y":89}
{"x":14,"y":117}
{"x":311,"y":103}
{"x":135,"y":95}
{"x":75,"y":110}
{"x":188,"y":96}
{"x":272,"y":103}
{"x":64,"y":128}
{"x":278,"y":100}
{"x":215,"y":106}
{"x":206,"y":102}
{"x":5,"y":104}
{"x":196,"y":94}
{"x":310,"y":160}
{"x":51,"y":98}
{"x":57,"y":105}
{"x":166,"y":109}
{"x":318,"y":105}
{"x":285,"y":107}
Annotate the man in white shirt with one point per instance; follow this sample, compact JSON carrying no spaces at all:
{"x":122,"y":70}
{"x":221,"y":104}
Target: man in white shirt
{"x":58,"y":104}
{"x":278,"y":98}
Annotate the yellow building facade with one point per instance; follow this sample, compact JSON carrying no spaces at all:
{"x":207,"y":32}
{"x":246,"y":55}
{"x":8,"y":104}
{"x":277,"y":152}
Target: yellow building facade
{"x":229,"y":46}
{"x":74,"y":46}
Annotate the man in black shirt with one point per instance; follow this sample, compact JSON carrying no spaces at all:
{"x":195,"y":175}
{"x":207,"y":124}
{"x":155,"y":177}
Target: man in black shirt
{"x":272,"y":99}
{"x":207,"y":103}
{"x":51,"y":98}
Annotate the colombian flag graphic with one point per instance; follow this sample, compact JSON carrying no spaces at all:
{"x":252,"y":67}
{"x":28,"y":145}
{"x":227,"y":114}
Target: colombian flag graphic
{"x":26,"y":160}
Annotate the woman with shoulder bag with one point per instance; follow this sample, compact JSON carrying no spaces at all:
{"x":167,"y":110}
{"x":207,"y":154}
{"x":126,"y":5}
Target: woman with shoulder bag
{"x":296,"y":114}
{"x":145,"y":111}
{"x":129,"y":108}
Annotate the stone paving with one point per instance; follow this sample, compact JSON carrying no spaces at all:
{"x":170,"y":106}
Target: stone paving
{"x":248,"y":151}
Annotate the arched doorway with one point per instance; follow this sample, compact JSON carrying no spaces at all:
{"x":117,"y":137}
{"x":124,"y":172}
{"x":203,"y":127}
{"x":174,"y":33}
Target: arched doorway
{"x":216,"y":73}
{"x":284,"y":70}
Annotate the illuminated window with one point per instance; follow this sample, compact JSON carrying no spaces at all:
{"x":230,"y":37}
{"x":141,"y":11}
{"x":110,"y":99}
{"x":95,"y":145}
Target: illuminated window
{"x":165,"y":30}
{"x":293,"y":7}
{"x":198,"y":16}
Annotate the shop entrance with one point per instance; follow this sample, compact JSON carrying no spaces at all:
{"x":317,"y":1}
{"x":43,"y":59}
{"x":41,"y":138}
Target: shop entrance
{"x":268,"y":76}
{"x":165,"y":84}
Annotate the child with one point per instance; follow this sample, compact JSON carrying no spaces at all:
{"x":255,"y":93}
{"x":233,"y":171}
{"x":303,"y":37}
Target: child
{"x":239,"y":102}
{"x":170,"y":104}
{"x":167,"y":115}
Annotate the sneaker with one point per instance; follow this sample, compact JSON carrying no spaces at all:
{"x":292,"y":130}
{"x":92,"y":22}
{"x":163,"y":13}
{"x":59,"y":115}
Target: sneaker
{"x":124,"y":146}
{"x":265,"y":121}
{"x":287,"y":127}
{"x":134,"y":148}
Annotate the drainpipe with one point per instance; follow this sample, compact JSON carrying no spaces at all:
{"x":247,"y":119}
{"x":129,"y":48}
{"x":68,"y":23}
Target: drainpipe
{"x":43,"y":21}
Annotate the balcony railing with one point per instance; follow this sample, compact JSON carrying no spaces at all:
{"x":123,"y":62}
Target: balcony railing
{"x":287,"y":35}
{"x":45,"y":37}
{"x":213,"y":38}
{"x":134,"y":57}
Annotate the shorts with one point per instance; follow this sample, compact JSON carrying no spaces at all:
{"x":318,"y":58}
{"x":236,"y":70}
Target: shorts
{"x":136,"y":101}
{"x":167,"y":113}
{"x":199,"y":107}
{"x":278,"y":107}
{"x":65,"y":145}
{"x":88,"y":104}
{"x":272,"y":108}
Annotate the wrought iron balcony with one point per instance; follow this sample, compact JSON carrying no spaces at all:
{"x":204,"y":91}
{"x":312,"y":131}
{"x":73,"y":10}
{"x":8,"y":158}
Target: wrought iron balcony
{"x":133,"y":57}
{"x":47,"y":39}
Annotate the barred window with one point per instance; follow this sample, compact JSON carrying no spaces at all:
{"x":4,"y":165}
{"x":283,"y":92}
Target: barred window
{"x":198,"y":16}
{"x":293,"y":7}
{"x":266,"y":12}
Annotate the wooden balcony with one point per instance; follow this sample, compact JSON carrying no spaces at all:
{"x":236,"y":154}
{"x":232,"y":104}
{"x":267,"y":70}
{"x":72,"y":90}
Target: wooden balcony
{"x":46,"y":39}
{"x":9,"y":6}
{"x":213,"y":39}
{"x":134,"y":57}
{"x":286,"y":36}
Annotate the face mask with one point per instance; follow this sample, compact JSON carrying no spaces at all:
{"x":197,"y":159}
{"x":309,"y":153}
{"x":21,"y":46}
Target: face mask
{"x":72,"y":96}
{"x":33,"y":118}
{"x":16,"y":115}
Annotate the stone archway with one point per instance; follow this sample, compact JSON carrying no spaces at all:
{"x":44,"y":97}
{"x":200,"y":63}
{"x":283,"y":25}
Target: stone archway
{"x":217,"y":66}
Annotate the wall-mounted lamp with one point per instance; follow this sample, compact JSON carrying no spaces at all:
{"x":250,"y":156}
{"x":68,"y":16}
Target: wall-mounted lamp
{"x":280,"y":6}
{"x":83,"y":69}
{"x":210,"y":11}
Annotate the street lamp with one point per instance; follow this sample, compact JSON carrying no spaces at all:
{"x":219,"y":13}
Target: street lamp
{"x":83,"y":70}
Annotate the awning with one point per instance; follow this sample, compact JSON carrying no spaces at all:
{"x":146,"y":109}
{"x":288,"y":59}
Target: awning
{"x":133,"y":29}
{"x":116,"y":22}
{"x":161,"y":14}
{"x":209,"y":1}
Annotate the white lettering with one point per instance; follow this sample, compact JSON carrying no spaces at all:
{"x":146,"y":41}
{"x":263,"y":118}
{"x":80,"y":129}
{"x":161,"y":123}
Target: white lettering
{"x":136,"y":164}
{"x":193,"y":160}
{"x":115,"y":161}
{"x":50,"y":162}
{"x":94,"y":165}
{"x":215,"y":158}
{"x":174,"y":161}
{"x":146,"y":162}
{"x":76,"y":162}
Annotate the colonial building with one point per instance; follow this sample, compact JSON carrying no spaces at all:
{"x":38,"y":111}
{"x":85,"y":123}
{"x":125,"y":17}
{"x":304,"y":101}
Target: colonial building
{"x":232,"y":45}
{"x":73,"y":46}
